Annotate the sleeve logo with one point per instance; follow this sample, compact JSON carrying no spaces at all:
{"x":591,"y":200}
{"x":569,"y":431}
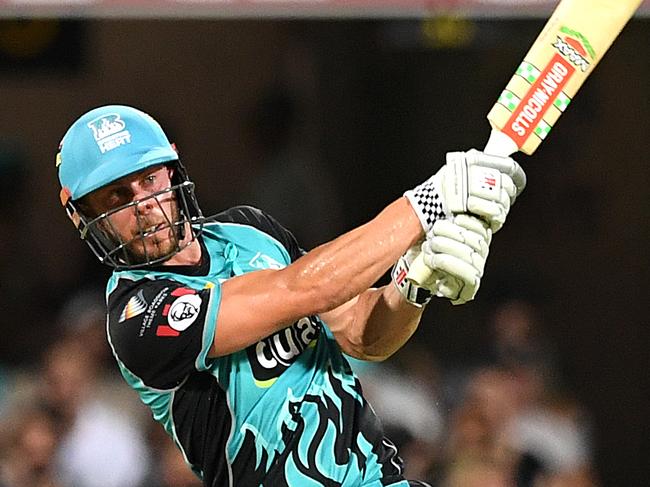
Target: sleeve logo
{"x":181,"y":313}
{"x":134,"y":307}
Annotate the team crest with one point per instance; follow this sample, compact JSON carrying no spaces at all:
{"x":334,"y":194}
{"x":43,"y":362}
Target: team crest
{"x":181,"y":313}
{"x":109,"y":132}
{"x":184,"y":311}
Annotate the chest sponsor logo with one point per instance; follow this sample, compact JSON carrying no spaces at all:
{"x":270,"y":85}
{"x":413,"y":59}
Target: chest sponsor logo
{"x":273,"y":355}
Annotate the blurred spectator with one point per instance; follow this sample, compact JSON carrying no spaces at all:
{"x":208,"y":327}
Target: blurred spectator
{"x":514,"y":424}
{"x":475,"y":435}
{"x":83,"y":316}
{"x":548,"y":428}
{"x":403,"y":392}
{"x":82,"y":319}
{"x":552,"y":438}
{"x":517,"y":339}
{"x":169,"y":468}
{"x":28,"y":440}
{"x":101,"y":443}
{"x":477,"y":473}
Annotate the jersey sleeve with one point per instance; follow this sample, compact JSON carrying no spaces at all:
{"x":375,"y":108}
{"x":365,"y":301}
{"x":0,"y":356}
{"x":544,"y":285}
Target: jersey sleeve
{"x":161,"y":330}
{"x":248,"y":215}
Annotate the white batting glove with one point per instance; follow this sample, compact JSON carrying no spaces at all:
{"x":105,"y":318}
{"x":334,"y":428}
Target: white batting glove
{"x":416,"y":295}
{"x":455,"y":252}
{"x":473,"y":182}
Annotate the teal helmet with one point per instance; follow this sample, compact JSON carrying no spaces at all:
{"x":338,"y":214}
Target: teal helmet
{"x":109,"y":143}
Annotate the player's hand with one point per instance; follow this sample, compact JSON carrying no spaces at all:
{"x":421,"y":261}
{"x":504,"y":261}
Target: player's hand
{"x":482,"y":184}
{"x":454,"y":254}
{"x":473,"y":182}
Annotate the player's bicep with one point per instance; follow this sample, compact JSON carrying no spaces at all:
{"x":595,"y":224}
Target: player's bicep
{"x":162,"y":330}
{"x":256,"y":305}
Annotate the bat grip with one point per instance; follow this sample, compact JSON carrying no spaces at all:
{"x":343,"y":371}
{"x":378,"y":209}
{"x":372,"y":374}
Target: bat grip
{"x":499,"y":144}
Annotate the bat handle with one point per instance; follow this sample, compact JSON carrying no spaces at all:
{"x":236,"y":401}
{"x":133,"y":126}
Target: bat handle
{"x":499,"y":144}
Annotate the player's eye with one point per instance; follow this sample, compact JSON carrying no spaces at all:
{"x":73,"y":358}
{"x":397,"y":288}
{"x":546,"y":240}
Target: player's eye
{"x":117,"y":196}
{"x":112,"y":200}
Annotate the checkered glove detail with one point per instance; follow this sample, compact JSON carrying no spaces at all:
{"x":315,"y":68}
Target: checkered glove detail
{"x":427,"y":201}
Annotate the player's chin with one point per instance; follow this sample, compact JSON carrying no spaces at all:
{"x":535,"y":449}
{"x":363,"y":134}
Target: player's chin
{"x":152,"y":248}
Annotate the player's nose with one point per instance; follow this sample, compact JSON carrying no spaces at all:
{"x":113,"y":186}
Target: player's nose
{"x":144,"y":201}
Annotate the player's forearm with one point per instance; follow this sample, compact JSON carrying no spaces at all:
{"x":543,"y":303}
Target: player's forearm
{"x":345,"y":267}
{"x":258,"y":304}
{"x":380,"y":323}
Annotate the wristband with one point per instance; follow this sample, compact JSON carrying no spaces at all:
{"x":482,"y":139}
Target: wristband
{"x":427,"y":201}
{"x":414,"y":294}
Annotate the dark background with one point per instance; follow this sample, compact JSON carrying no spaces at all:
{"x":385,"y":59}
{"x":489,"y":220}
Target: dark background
{"x":376,"y":104}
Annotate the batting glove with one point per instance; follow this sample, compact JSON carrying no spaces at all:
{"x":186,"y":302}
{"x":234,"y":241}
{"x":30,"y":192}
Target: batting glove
{"x":455,"y":253}
{"x":416,"y":295}
{"x":473,"y":182}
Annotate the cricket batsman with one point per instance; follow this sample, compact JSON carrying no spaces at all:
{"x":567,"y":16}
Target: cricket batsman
{"x":233,"y":335}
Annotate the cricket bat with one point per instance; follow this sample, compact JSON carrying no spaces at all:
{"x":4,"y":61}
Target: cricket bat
{"x":571,"y":44}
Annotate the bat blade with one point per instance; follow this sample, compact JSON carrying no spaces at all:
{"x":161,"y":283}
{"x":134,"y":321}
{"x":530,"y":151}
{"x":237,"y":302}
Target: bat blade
{"x":565,"y":53}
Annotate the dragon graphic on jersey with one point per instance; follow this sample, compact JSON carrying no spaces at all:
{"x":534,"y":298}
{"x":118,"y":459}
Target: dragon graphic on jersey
{"x":325,"y":422}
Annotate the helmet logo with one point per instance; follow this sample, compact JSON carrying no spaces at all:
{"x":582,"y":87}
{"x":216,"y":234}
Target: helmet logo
{"x":110,"y":132}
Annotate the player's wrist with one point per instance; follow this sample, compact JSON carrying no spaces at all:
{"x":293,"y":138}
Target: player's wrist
{"x":412,"y":293}
{"x":428,"y":202}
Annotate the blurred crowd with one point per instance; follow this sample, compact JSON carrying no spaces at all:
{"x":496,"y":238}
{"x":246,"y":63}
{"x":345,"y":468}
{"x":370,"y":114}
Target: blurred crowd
{"x":70,"y":421}
{"x":507,"y":421}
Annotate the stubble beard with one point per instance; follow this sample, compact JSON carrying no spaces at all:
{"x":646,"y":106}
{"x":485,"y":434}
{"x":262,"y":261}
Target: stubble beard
{"x":165,"y":242}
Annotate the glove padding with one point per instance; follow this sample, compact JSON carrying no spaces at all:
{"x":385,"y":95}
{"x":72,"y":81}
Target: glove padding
{"x":413,"y":293}
{"x":482,"y":184}
{"x":472,"y":181}
{"x":455,"y":252}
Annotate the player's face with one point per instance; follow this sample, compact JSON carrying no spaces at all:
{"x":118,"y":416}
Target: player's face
{"x":147,"y":225}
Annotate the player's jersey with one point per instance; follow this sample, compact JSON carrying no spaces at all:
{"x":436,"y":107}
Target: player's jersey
{"x":286,"y":411}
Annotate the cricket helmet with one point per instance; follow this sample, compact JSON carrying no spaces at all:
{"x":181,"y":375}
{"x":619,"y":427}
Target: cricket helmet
{"x":109,"y":143}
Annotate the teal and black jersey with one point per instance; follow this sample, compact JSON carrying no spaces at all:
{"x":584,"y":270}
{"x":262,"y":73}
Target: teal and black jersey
{"x":286,"y":411}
